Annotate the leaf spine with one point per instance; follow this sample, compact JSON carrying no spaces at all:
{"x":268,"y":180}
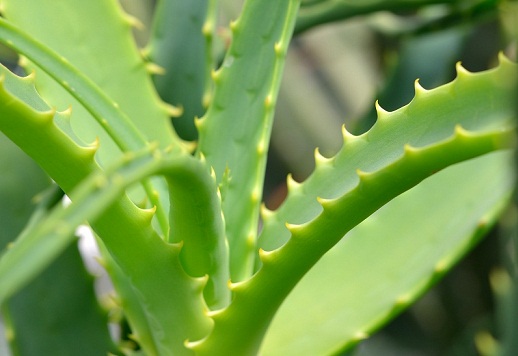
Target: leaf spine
{"x":171,"y":110}
{"x":292,"y":184}
{"x":362,"y":174}
{"x":47,"y":117}
{"x":91,"y":149}
{"x":268,"y":102}
{"x":212,"y":171}
{"x":441,"y":266}
{"x":203,"y":159}
{"x":266,"y":256}
{"x":320,"y":159}
{"x":234,"y":25}
{"x":460,"y":132}
{"x":360,"y":335}
{"x":265,"y":212}
{"x":206,"y":100}
{"x":410,"y":150}
{"x":198,"y":122}
{"x":280,"y":49}
{"x":295,"y":229}
{"x":418,"y":89}
{"x":154,"y":69}
{"x":133,"y":22}
{"x":22,"y":60}
{"x":261,"y":148}
{"x":460,"y":69}
{"x":256,"y":195}
{"x":193,"y":344}
{"x":403,"y":300}
{"x":347,"y":136}
{"x":207,"y":28}
{"x":326,"y":203}
{"x":29,"y":78}
{"x":148,"y":214}
{"x":236,"y":286}
{"x":382,"y":113}
{"x":215,"y":74}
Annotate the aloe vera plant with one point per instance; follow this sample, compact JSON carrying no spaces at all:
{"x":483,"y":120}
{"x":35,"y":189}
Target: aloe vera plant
{"x":199,"y":265}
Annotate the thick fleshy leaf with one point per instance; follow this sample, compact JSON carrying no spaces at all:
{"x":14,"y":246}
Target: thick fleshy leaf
{"x":387,"y":261}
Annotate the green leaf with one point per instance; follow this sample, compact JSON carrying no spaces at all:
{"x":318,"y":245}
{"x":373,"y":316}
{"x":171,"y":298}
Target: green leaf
{"x":390,"y":259}
{"x":95,"y":37}
{"x":235,"y":131}
{"x":160,"y":278}
{"x":316,"y":13}
{"x":399,"y":152}
{"x":180,"y":45}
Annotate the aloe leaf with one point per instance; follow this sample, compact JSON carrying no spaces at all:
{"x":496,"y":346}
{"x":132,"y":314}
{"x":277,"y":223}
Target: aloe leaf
{"x":126,"y":230}
{"x":173,"y":324}
{"x":179,"y":46}
{"x":28,"y":121}
{"x":235,"y":131}
{"x":366,"y":181}
{"x":98,"y":27}
{"x":478,"y":102}
{"x":413,"y":240}
{"x":103,"y":108}
{"x":106,"y":111}
{"x":314,"y":13}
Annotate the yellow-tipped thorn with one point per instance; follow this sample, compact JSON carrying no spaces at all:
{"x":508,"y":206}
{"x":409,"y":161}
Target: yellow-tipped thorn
{"x":207,"y":28}
{"x":265,"y":212}
{"x":441,"y":266}
{"x":233,"y":25}
{"x":133,"y":22}
{"x":460,"y":69}
{"x":67,"y":112}
{"x":418,"y":88}
{"x":403,"y":300}
{"x":360,"y":335}
{"x":215,"y":75}
{"x":460,"y":131}
{"x":294,"y":228}
{"x":279,"y":48}
{"x":319,"y":158}
{"x":206,"y":100}
{"x":292,"y":184}
{"x":347,"y":136}
{"x":256,"y":195}
{"x":155,"y":69}
{"x":23,"y":61}
{"x":409,"y":150}
{"x":268,"y":102}
{"x":173,"y":111}
{"x":382,"y":113}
